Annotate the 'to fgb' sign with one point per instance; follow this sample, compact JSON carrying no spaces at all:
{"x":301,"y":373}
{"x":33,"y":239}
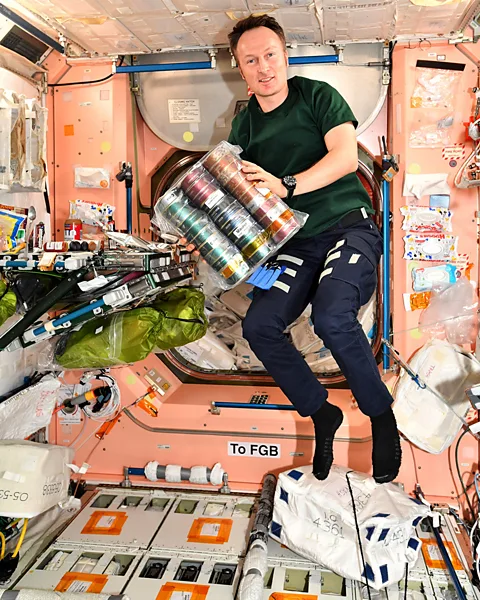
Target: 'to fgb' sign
{"x":257,"y":450}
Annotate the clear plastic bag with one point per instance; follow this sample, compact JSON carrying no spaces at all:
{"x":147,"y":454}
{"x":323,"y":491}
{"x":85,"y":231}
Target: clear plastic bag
{"x":452,"y":314}
{"x":433,"y":99}
{"x":235,"y":226}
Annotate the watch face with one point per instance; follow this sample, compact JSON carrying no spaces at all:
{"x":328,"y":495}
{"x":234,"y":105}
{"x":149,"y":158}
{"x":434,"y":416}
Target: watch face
{"x":289,"y":182}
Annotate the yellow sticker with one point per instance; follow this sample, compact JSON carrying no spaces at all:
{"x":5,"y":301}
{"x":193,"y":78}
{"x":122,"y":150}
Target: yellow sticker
{"x":414,"y":168}
{"x":415,"y":102}
{"x":188,"y":136}
{"x":105,"y":146}
{"x":131,"y":379}
{"x":416,"y":334}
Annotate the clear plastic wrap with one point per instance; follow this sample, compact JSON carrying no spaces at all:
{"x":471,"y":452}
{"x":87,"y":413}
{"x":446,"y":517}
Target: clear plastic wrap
{"x":235,"y":226}
{"x":433,"y":99}
{"x":452,"y":314}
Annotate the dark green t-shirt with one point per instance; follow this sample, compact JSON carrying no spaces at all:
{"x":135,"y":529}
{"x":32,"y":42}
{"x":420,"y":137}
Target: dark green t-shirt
{"x":290,"y":139}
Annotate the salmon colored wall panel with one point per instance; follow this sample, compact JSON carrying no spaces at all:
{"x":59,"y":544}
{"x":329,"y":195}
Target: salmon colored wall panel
{"x":463,"y":203}
{"x":90,"y":124}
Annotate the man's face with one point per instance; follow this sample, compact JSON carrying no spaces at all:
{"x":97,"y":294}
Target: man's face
{"x":263,"y":61}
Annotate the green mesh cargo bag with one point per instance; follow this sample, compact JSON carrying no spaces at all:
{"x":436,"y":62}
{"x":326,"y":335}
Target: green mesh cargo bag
{"x":8,"y":302}
{"x":110,"y":341}
{"x":184,"y":319}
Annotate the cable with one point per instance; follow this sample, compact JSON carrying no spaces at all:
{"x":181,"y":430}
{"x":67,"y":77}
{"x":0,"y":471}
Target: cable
{"x":87,"y":82}
{"x":20,"y":541}
{"x":358,"y":532}
{"x":414,"y":463}
{"x":406,"y":582}
{"x":2,"y":552}
{"x":111,"y":409}
{"x":476,"y":485}
{"x":465,"y":431}
{"x":80,"y":433}
{"x":82,"y":82}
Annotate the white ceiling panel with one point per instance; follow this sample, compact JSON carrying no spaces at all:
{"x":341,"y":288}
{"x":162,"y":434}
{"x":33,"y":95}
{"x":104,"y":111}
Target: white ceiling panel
{"x":119,"y":8}
{"x":429,"y":19}
{"x":260,"y":5}
{"x":211,"y":28}
{"x":159,"y":31}
{"x":143,"y":26}
{"x":189,"y":6}
{"x":301,"y":25}
{"x":349,"y":20}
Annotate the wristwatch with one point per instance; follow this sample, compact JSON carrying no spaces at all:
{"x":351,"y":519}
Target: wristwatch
{"x":290,"y":183}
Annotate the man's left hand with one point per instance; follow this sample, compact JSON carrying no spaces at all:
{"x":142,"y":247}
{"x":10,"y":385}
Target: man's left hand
{"x":255,"y":173}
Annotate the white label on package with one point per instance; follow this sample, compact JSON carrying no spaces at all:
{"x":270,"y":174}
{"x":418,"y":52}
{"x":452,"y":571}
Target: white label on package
{"x":214,"y":198}
{"x":210,"y":530}
{"x":275,"y":212}
{"x":79,"y":586}
{"x":257,"y":450}
{"x":181,"y":596}
{"x":106,"y":522}
{"x":184,"y":111}
{"x":243,"y":229}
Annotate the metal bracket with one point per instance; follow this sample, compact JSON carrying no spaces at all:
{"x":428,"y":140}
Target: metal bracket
{"x":214,"y":409}
{"x":339,"y":50}
{"x":213,"y":57}
{"x":126,"y":483}
{"x":225,"y":489}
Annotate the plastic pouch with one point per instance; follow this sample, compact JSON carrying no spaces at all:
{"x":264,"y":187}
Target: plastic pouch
{"x":10,"y":225}
{"x":235,"y":226}
{"x":432,"y":246}
{"x":184,"y":319}
{"x":426,"y":279}
{"x":426,"y":219}
{"x":433,"y":99}
{"x":452,"y":314}
{"x":117,"y":339}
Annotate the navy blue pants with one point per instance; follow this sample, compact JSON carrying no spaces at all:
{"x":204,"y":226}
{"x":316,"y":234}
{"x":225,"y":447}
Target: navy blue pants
{"x":337,"y":272}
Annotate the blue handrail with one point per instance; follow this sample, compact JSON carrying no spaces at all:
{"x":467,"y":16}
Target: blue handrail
{"x":386,"y":270}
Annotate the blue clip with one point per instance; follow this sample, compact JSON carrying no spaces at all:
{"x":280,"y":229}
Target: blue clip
{"x":265,"y":276}
{"x":420,"y":384}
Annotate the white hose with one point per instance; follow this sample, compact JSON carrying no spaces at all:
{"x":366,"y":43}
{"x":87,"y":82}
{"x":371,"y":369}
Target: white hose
{"x":251,"y":587}
{"x":254,"y":570}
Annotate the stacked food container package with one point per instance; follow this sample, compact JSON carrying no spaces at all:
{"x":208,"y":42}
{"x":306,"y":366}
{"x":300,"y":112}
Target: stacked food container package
{"x":234,"y":225}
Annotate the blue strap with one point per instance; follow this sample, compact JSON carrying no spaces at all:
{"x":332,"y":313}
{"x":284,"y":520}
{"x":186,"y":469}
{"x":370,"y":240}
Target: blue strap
{"x":265,"y":276}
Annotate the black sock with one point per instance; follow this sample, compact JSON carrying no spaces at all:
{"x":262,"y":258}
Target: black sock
{"x":326,"y":421}
{"x":387,"y":452}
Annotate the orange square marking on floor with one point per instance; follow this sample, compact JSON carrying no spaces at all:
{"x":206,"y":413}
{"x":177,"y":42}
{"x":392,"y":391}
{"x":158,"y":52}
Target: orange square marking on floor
{"x":186,"y":591}
{"x":68,"y":130}
{"x":81,"y":582}
{"x":433,"y":557}
{"x":105,"y":522}
{"x":210,"y":531}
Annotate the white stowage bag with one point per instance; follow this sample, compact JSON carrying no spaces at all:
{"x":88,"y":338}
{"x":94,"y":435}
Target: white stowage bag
{"x":29,"y":410}
{"x":33,"y":477}
{"x":315,"y":519}
{"x":421,"y":416}
{"x":208,"y":353}
{"x":238,"y":299}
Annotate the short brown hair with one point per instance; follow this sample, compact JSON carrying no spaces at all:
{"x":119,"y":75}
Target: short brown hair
{"x":252,"y":22}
